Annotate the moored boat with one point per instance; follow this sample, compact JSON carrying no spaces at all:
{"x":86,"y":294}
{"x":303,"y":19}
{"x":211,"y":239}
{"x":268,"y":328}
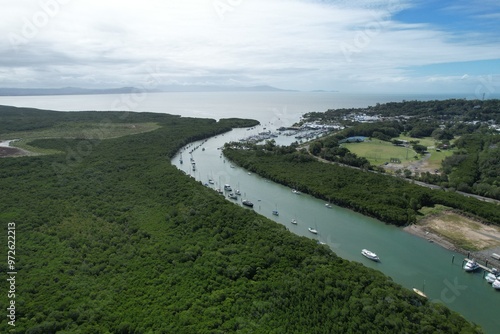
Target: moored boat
{"x":490,"y":278}
{"x":312,"y":230}
{"x":276,"y":213}
{"x":496,"y":284}
{"x":247,"y":203}
{"x":471,"y":265}
{"x":420,"y":293}
{"x":294,"y":222}
{"x":370,"y":255}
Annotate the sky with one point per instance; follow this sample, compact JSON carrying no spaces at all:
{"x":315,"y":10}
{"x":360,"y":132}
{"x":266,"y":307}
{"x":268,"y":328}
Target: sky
{"x":377,"y":46}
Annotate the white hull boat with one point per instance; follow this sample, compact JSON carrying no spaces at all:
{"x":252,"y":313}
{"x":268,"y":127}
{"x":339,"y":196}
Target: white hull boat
{"x":471,"y":265}
{"x":312,"y":230}
{"x":370,"y":255}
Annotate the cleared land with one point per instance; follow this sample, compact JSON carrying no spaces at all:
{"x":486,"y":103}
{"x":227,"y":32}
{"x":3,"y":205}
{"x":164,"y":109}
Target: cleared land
{"x":93,"y":131}
{"x":455,"y":231}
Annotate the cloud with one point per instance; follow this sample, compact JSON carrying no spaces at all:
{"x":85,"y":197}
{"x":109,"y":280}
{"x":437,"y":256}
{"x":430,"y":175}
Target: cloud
{"x":294,"y":44}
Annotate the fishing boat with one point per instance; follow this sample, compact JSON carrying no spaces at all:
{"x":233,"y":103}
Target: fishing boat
{"x":471,"y":265}
{"x":370,"y":255}
{"x":313,"y":230}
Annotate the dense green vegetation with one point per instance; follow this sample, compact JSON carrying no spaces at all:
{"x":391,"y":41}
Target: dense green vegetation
{"x":472,"y":168}
{"x":387,"y":198}
{"x":111,"y":238}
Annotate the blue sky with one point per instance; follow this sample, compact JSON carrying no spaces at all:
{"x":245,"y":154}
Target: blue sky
{"x":419,"y":46}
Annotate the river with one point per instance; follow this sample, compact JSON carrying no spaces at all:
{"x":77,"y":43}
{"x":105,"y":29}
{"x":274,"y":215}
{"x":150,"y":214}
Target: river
{"x":409,"y":260}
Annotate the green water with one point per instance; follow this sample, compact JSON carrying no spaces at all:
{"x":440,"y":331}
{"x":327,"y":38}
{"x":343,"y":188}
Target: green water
{"x":407,"y":259}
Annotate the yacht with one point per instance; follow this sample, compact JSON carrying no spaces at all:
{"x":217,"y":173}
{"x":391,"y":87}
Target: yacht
{"x":496,"y":284}
{"x":227,"y":187}
{"x":471,"y":265}
{"x":312,"y":230}
{"x":370,"y":255}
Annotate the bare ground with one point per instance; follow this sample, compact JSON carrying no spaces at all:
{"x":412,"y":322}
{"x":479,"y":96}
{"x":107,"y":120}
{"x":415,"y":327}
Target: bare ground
{"x":461,"y":234}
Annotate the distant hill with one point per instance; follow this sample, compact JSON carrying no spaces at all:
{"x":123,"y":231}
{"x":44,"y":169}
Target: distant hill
{"x":128,"y":90}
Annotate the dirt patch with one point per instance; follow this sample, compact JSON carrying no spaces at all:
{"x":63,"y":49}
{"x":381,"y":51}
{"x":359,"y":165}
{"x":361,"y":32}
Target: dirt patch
{"x":10,"y":152}
{"x":459,"y":233}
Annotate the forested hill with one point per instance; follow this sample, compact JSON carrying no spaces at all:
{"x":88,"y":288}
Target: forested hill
{"x":111,"y":238}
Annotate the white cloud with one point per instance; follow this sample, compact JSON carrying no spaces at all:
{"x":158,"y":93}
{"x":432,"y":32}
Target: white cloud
{"x":289,"y":43}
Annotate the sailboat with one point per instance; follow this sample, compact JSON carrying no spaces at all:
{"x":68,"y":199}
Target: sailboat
{"x":328,"y":205}
{"x":275,"y":212}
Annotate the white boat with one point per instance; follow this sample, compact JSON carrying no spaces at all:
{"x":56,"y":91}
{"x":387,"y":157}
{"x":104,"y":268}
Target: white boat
{"x":490,"y":278}
{"x":295,"y":191}
{"x":211,"y":181}
{"x":370,"y":255}
{"x":237,"y":192}
{"x":328,"y":205}
{"x":227,"y":187}
{"x":496,"y":284}
{"x":420,"y":293}
{"x":312,"y":230}
{"x":471,"y":265}
{"x":232,"y":196}
{"x":276,"y":213}
{"x":294,"y":222}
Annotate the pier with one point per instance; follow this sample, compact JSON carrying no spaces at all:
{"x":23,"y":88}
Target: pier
{"x":484,"y":267}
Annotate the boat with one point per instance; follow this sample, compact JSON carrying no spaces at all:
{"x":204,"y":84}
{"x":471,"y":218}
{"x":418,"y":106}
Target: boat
{"x":247,"y":203}
{"x":312,"y":230}
{"x":237,"y":192}
{"x":328,"y":205}
{"x":471,"y":265}
{"x":295,"y":191}
{"x":227,"y":187}
{"x":496,"y":284}
{"x":232,"y":196}
{"x":276,"y":213}
{"x":420,"y":293}
{"x":294,"y":222}
{"x":210,"y":181}
{"x":490,"y":278}
{"x":370,"y":255}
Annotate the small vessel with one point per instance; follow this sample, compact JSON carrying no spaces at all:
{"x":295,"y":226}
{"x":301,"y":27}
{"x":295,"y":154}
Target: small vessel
{"x":294,"y":222}
{"x":210,"y":181}
{"x":232,"y":196}
{"x":276,"y":213}
{"x":370,"y":255}
{"x":328,"y":205}
{"x":227,"y":187}
{"x":471,"y":265}
{"x":295,"y":191}
{"x":312,"y":230}
{"x":490,"y":278}
{"x":247,"y":203}
{"x":496,"y":284}
{"x":420,"y":293}
{"x":237,"y":192}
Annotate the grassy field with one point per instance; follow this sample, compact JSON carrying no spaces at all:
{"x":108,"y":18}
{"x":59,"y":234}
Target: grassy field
{"x":77,"y":130}
{"x":378,"y":152}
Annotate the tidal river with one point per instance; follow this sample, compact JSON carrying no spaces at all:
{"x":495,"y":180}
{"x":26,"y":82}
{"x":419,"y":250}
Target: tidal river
{"x":409,"y":260}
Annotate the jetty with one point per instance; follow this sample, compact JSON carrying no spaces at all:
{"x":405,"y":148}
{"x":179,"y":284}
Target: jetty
{"x":484,"y":267}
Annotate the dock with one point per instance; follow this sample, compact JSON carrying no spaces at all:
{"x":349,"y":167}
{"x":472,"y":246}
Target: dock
{"x":484,"y":267}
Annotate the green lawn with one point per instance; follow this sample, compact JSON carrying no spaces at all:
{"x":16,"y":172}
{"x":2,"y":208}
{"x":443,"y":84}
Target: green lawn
{"x":378,"y":152}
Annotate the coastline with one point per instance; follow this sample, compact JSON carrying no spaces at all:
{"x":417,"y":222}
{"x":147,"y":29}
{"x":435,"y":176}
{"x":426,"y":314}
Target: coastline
{"x":483,"y":256}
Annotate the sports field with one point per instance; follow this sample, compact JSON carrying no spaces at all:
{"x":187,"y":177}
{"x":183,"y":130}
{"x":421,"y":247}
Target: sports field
{"x":378,"y":152}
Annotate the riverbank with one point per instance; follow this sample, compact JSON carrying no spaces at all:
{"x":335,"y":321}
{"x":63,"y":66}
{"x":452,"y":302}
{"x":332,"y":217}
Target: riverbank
{"x":460,"y":234}
{"x":7,"y":151}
